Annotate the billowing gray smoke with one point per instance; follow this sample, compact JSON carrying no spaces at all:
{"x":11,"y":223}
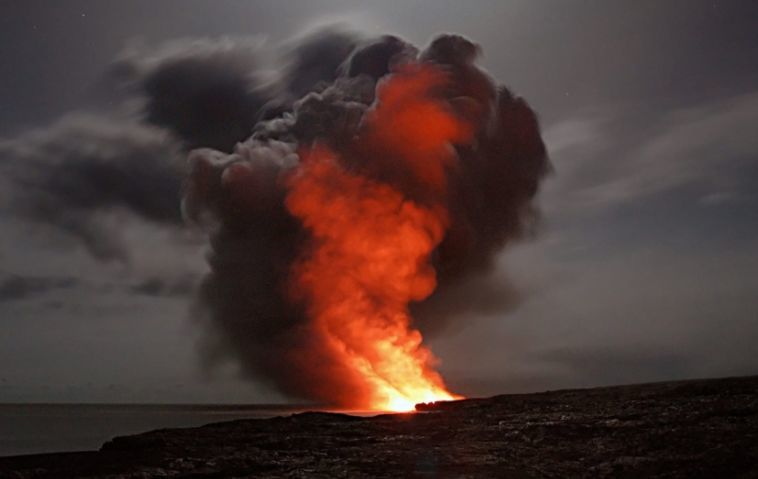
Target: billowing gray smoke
{"x":327,"y":87}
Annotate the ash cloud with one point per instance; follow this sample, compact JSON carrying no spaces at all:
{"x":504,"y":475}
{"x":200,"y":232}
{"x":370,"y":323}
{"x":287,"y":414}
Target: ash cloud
{"x":211,"y":93}
{"x":155,"y":286}
{"x":245,"y":120}
{"x":244,"y":303}
{"x":314,"y":61}
{"x":84,"y":170}
{"x":14,"y":287}
{"x":204,"y":91}
{"x":77,"y":173}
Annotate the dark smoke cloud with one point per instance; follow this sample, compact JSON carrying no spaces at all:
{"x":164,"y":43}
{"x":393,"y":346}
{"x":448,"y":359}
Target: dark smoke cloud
{"x":204,"y":91}
{"x":15,"y":287}
{"x":314,"y":62}
{"x":211,"y":93}
{"x":219,"y":97}
{"x":491,"y":192}
{"x":77,"y":173}
{"x":254,"y":240}
{"x":162,"y":287}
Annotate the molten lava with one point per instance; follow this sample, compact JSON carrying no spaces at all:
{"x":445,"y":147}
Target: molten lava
{"x":371,"y":238}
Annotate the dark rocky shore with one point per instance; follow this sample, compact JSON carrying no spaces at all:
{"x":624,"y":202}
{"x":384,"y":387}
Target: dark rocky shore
{"x":704,"y":428}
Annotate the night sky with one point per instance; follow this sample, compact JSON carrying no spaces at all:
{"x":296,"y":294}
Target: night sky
{"x":644,"y":267}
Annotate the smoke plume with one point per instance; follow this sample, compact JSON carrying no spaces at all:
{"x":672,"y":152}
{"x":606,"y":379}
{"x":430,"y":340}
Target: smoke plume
{"x":373,"y":192}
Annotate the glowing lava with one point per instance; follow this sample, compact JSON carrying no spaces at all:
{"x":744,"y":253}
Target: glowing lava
{"x":370,"y":242}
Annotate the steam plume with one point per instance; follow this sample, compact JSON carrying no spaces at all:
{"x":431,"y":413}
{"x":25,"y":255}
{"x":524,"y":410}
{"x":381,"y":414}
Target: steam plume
{"x":423,"y":143}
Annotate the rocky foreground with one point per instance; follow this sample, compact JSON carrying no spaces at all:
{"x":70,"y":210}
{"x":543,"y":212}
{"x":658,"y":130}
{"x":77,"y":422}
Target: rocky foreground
{"x":705,"y":428}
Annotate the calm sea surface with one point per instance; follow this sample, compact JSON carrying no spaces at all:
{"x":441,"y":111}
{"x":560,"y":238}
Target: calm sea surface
{"x":35,"y":428}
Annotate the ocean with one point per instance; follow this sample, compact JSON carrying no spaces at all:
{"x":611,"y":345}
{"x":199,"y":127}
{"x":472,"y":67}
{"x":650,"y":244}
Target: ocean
{"x":38,"y":428}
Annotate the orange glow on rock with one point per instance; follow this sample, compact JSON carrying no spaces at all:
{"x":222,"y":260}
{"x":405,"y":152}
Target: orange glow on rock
{"x":369,"y":251}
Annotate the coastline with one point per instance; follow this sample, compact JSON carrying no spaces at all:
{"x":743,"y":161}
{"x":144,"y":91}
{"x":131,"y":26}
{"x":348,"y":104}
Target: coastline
{"x":696,"y":428}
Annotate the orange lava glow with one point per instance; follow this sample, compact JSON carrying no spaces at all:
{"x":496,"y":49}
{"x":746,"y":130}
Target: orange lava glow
{"x":370,"y":243}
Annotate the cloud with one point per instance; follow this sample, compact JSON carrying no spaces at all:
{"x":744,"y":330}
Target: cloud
{"x":604,"y":163}
{"x":84,"y":171}
{"x":314,"y":60}
{"x":17,"y":287}
{"x":157,"y":286}
{"x":389,"y":117}
{"x":211,"y":92}
{"x":208,"y":92}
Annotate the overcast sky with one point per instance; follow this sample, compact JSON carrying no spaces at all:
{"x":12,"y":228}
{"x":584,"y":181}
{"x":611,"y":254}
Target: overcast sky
{"x":645,"y":266}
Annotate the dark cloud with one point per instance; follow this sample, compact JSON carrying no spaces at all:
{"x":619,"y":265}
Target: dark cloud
{"x":205,"y":91}
{"x":314,"y":61}
{"x":17,"y":287}
{"x":162,"y":287}
{"x":375,"y":58}
{"x":249,"y":313}
{"x":79,"y":172}
{"x":211,"y":93}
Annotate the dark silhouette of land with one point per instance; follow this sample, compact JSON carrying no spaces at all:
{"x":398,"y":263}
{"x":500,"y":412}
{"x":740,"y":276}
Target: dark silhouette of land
{"x":687,"y":429}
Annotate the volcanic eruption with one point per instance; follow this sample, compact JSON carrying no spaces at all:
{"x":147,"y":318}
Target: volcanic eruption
{"x":354,"y":214}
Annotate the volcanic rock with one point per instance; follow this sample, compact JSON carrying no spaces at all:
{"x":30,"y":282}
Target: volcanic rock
{"x":688,"y":429}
